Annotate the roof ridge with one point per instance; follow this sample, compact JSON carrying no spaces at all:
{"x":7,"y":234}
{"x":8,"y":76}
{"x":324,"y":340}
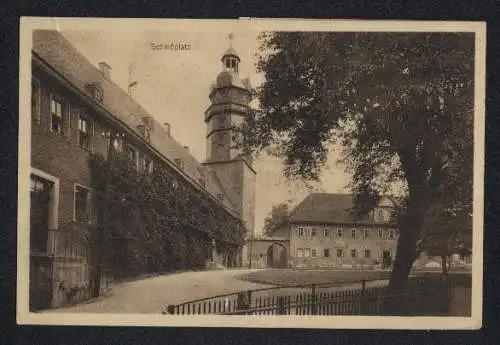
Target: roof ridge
{"x":56,"y":49}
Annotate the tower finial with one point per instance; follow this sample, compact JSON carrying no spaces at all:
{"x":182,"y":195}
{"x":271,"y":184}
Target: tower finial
{"x":230,"y":37}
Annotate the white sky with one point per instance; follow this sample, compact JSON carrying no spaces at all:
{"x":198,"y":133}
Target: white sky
{"x":173,"y":86}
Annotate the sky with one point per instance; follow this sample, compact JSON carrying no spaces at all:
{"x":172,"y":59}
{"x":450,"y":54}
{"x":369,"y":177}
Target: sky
{"x":173,"y":86}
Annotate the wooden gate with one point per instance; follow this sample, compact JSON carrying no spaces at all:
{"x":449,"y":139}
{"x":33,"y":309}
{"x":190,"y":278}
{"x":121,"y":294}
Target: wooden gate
{"x":41,"y":289}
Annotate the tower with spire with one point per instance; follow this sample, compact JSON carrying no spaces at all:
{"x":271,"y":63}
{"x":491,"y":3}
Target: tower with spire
{"x":229,"y":106}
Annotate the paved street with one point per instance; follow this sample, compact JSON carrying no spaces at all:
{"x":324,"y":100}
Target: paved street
{"x":152,"y":295}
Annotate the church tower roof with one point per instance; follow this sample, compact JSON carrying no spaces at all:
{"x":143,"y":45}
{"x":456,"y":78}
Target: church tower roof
{"x":230,"y":52}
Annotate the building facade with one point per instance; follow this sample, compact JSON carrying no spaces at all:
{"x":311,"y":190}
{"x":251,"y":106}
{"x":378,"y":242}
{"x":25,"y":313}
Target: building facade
{"x":74,"y":108}
{"x":323,"y":233}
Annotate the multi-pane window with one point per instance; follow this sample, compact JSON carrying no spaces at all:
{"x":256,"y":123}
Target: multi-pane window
{"x":339,"y":253}
{"x":313,"y":232}
{"x":300,"y":232}
{"x":56,"y":115}
{"x":307,"y":252}
{"x":326,"y":253}
{"x":367,"y":253}
{"x":144,"y":164}
{"x":35,"y":99}
{"x":391,"y":234}
{"x":325,"y":232}
{"x":353,"y":233}
{"x":353,"y":253}
{"x":313,"y":253}
{"x":179,"y":163}
{"x":380,"y":233}
{"x":367,"y":233}
{"x":84,"y":133}
{"x":339,"y":232}
{"x":300,"y":252}
{"x":81,"y":204}
{"x":132,"y":155}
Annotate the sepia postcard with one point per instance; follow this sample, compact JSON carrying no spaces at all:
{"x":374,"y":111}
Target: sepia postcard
{"x":251,"y":173}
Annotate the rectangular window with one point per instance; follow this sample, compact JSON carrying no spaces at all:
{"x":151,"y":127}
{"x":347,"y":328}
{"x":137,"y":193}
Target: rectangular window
{"x":300,"y":232}
{"x":132,"y":155}
{"x":313,"y":253}
{"x":339,"y":253}
{"x":391,"y":234}
{"x":35,"y":100}
{"x":144,"y":164}
{"x":307,"y":252}
{"x":84,"y":133}
{"x":339,"y":232}
{"x":326,"y":253}
{"x":367,"y":253}
{"x":313,"y":232}
{"x":353,"y":233}
{"x":325,"y":232}
{"x":299,"y":253}
{"x":56,"y":115}
{"x":81,"y":204}
{"x":353,"y":253}
{"x":41,"y":192}
{"x":380,"y":233}
{"x":179,"y":163}
{"x":367,"y":233}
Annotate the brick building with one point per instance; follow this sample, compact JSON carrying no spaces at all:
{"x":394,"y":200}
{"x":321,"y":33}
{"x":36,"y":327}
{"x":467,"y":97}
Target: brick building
{"x":74,"y":106}
{"x":323,"y":233}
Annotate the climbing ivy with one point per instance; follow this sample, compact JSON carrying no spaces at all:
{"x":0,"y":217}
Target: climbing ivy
{"x":156,"y":221}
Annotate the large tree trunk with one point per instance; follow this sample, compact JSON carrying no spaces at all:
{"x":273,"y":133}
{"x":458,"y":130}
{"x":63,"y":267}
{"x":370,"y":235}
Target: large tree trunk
{"x":405,"y":256}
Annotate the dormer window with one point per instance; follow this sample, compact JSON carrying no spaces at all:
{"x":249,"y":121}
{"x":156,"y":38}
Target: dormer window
{"x":95,"y":89}
{"x":98,"y":95}
{"x":145,"y":132}
{"x":179,"y":163}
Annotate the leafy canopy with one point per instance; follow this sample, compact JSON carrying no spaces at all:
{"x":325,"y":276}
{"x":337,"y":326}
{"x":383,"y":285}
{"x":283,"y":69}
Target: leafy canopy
{"x":401,"y":105}
{"x":277,"y":217}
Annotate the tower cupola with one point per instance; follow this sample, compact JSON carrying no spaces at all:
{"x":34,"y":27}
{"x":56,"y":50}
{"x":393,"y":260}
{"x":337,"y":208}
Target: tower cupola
{"x":231,"y":59}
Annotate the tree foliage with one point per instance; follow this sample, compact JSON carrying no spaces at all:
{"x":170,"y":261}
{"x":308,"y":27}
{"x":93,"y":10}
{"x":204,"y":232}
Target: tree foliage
{"x":400,"y":105}
{"x":445,"y":233}
{"x":158,"y":221}
{"x":277,"y":217}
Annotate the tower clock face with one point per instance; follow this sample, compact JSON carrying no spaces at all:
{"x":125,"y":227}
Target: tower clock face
{"x":224,"y":92}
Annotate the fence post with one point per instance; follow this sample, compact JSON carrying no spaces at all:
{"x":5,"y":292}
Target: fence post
{"x":242,"y":302}
{"x":249,"y":295}
{"x":313,"y":297}
{"x":281,"y":305}
{"x":363,"y":303}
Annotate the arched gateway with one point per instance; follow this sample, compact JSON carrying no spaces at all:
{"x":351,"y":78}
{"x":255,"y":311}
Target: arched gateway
{"x":269,"y":252}
{"x":277,"y":255}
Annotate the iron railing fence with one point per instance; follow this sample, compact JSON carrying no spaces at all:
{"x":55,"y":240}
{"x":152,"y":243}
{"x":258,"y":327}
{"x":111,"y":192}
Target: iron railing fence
{"x":355,"y":298}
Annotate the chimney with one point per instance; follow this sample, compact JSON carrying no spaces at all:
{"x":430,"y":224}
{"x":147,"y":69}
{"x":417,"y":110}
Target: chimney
{"x":166,"y":125}
{"x":105,"y":70}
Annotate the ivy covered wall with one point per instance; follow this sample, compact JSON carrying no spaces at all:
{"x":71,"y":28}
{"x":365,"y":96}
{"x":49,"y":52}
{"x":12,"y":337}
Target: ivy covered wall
{"x":155,"y":221}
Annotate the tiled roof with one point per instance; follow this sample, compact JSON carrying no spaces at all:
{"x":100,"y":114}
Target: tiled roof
{"x":327,"y":208}
{"x":62,"y":56}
